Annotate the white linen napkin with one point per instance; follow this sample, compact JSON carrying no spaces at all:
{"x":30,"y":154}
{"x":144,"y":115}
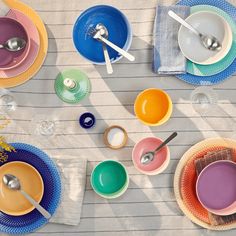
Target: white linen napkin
{"x":73,"y":175}
{"x":4,"y":9}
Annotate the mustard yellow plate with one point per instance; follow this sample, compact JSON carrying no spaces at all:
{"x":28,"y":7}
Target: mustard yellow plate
{"x":153,"y":107}
{"x":13,"y":202}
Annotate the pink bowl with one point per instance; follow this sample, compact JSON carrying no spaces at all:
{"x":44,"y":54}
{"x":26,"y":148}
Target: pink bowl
{"x":160,"y":161}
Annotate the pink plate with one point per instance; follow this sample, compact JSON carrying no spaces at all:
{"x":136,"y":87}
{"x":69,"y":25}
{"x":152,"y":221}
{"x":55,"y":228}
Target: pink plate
{"x":160,"y":161}
{"x":34,"y":45}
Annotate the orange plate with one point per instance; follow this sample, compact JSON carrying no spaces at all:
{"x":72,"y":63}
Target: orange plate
{"x":188,"y":185}
{"x":153,"y":107}
{"x":13,"y":202}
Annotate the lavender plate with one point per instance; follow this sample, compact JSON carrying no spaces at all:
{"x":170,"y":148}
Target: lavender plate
{"x":216,"y":188}
{"x":10,"y":28}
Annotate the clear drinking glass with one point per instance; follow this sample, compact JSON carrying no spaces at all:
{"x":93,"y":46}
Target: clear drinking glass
{"x":205,"y":102}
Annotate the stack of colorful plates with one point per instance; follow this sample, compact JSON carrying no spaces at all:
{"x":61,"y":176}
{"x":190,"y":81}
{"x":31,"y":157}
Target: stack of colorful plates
{"x":37,"y":45}
{"x":40,"y":178}
{"x":185,"y":182}
{"x":207,"y":68}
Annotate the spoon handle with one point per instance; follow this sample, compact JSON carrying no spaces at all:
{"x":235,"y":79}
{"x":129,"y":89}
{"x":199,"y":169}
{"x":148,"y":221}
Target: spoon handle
{"x":45,"y":213}
{"x":118,"y":49}
{"x":166,"y":141}
{"x":182,"y":22}
{"x":107,"y":59}
{"x":1,"y":46}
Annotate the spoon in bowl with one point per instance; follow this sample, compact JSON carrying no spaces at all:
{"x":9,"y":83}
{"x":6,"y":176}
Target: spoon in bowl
{"x":13,"y":44}
{"x":147,"y":157}
{"x":13,"y":183}
{"x":210,"y":42}
{"x":103,"y":30}
{"x":97,"y":34}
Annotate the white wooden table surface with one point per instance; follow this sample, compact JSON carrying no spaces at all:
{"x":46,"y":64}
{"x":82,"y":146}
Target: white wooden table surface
{"x":148,"y":207}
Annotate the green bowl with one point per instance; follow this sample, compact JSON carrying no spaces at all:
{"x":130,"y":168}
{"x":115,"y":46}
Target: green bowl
{"x":109,"y":179}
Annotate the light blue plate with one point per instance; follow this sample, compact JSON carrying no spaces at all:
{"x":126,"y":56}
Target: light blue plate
{"x":207,"y":70}
{"x":214,"y":79}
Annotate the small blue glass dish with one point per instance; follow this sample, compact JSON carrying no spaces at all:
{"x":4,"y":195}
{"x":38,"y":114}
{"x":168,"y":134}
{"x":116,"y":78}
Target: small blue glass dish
{"x":32,"y":221}
{"x":87,"y":120}
{"x":118,"y":27}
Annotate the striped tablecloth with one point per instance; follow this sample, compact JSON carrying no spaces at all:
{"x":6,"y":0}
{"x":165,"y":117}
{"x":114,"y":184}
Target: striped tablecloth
{"x":148,"y":207}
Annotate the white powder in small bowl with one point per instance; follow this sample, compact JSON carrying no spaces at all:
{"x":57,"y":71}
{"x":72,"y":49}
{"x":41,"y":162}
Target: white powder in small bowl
{"x":115,"y":137}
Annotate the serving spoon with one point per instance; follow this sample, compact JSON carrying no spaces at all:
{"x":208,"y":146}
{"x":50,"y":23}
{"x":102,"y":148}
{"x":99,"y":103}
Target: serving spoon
{"x":208,"y":41}
{"x":147,"y":157}
{"x":13,"y":44}
{"x":13,"y":183}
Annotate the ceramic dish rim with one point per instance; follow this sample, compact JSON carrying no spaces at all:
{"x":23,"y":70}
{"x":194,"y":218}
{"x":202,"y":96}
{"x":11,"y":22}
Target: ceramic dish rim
{"x":227,"y":49}
{"x":118,"y":193}
{"x":42,"y":192}
{"x":128,"y":42}
{"x":165,"y":118}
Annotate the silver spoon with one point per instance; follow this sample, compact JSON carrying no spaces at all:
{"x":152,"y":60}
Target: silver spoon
{"x":210,"y":42}
{"x":104,"y":32}
{"x":146,"y":158}
{"x":13,"y":44}
{"x":97,"y":34}
{"x":13,"y":183}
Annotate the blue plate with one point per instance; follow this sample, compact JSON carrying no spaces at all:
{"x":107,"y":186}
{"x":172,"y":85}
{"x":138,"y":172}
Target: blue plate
{"x":52,"y":190}
{"x":117,"y":25}
{"x":214,"y":79}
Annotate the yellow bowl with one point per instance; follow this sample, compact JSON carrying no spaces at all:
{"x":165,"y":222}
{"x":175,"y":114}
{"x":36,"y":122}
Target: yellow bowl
{"x":12,"y":202}
{"x":153,"y":107}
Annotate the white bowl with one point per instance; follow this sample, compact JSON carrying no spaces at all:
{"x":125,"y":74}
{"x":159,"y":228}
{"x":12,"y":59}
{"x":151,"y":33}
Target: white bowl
{"x":207,"y":23}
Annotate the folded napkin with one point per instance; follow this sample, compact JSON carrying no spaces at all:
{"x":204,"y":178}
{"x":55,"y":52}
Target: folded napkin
{"x":4,"y":9}
{"x":167,"y":57}
{"x":73,"y":175}
{"x":200,"y":164}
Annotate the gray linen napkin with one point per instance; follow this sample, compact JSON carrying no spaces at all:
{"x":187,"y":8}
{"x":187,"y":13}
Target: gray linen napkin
{"x":73,"y":175}
{"x":167,"y":57}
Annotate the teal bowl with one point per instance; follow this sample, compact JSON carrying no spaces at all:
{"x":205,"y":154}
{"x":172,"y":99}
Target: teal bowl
{"x":109,"y":179}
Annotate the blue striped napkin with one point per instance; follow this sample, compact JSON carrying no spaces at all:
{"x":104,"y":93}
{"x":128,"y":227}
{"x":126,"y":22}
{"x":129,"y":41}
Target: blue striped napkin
{"x":167,"y":57}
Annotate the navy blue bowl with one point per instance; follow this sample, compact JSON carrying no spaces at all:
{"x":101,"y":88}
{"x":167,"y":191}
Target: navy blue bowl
{"x":117,"y":25}
{"x":87,"y":120}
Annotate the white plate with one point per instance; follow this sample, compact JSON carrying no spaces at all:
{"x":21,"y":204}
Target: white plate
{"x":207,"y":23}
